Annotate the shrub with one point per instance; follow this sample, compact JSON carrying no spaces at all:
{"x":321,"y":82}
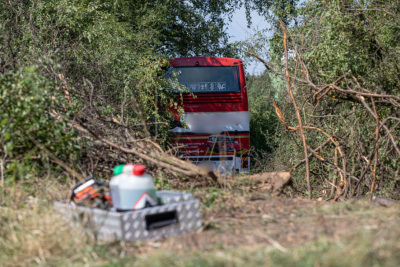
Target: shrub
{"x":30,"y":129}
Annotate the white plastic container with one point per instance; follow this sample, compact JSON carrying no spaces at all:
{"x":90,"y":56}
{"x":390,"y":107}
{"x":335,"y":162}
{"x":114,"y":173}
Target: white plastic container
{"x":120,"y":172}
{"x":133,"y":189}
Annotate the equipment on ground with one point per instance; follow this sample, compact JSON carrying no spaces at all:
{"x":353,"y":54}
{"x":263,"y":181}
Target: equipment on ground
{"x":92,"y":193}
{"x":135,"y":211}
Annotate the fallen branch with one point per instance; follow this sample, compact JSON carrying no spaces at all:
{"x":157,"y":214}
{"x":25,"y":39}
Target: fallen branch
{"x":323,"y":160}
{"x":364,"y":94}
{"x":165,"y":162}
{"x":275,"y":243}
{"x":376,"y":149}
{"x":310,"y":155}
{"x":54,"y":158}
{"x":301,"y":131}
{"x":323,"y":93}
{"x":162,"y":160}
{"x":380,"y":122}
{"x":259,"y":58}
{"x":282,"y":118}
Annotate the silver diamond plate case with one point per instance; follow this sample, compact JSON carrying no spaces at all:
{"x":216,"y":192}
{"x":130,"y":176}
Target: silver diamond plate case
{"x":178,"y":215}
{"x":168,"y":197}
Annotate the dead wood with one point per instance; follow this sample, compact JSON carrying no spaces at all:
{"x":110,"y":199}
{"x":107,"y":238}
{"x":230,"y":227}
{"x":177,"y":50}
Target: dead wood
{"x":310,"y":155}
{"x":370,"y":133}
{"x":322,"y":92}
{"x":376,"y":149}
{"x":297,"y":110}
{"x":168,"y":162}
{"x":271,"y":182}
{"x":362,"y":100}
{"x":55,"y":159}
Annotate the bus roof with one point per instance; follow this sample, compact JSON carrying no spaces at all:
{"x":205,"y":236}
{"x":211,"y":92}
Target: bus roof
{"x":205,"y":61}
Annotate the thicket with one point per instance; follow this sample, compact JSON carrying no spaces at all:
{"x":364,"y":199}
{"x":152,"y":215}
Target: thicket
{"x":82,"y":87}
{"x":264,"y":136}
{"x":339,"y":67}
{"x":86,"y":54}
{"x":81,"y":81}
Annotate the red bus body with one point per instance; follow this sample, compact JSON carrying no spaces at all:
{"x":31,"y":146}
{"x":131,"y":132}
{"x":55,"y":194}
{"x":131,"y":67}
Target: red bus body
{"x":217,"y":116}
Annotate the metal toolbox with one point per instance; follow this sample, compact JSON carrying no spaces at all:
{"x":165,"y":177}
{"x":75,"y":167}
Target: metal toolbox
{"x":178,"y":214}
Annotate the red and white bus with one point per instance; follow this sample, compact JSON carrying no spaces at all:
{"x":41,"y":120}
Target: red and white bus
{"x":216,"y":113}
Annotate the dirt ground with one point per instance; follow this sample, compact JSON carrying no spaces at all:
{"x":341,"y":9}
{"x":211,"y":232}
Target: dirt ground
{"x":236,"y":219}
{"x":240,"y":224}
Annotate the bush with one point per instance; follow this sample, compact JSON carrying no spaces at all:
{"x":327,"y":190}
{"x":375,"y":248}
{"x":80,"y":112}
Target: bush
{"x":30,"y":129}
{"x":263,"y":120}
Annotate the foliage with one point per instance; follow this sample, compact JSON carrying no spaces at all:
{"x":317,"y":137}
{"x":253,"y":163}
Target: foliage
{"x":263,"y":121}
{"x":197,"y":27}
{"x":27,"y":99}
{"x":358,"y":43}
{"x":106,"y":57}
{"x":102,"y":56}
{"x":95,"y":57}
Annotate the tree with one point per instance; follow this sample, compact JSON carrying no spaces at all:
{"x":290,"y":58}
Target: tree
{"x":263,"y":121}
{"x":345,"y":78}
{"x":106,"y":58}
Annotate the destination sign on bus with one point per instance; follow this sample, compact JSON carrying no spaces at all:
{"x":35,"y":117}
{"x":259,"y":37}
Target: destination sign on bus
{"x":208,"y":79}
{"x":204,"y":87}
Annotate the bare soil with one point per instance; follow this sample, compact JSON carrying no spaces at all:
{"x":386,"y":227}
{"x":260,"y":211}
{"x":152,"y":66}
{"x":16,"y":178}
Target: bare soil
{"x":237,"y":219}
{"x":239,"y":223}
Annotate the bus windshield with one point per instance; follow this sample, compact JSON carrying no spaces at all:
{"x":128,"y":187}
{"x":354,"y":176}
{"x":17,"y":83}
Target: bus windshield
{"x":219,"y":79}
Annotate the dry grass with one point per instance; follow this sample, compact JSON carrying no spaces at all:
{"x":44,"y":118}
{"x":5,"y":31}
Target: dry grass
{"x":241,"y":229}
{"x":362,"y":249}
{"x":32,"y":233}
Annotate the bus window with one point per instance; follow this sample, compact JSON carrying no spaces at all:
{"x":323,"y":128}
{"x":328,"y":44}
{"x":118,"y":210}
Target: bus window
{"x":209,"y":79}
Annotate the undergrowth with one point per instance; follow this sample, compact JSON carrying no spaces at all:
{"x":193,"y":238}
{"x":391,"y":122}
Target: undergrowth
{"x":363,"y":249}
